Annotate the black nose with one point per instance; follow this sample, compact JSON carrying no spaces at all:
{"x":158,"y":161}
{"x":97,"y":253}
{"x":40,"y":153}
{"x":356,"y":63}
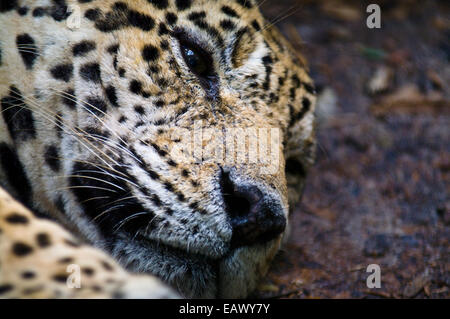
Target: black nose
{"x":255,"y":218}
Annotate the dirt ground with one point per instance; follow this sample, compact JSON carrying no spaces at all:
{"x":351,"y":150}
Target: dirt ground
{"x":379,"y":192}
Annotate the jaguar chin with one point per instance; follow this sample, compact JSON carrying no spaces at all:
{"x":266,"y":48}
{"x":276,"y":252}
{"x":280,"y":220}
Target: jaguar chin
{"x":235,"y":275}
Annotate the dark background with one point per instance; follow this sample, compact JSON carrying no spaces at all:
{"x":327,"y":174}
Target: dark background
{"x":379,"y":190}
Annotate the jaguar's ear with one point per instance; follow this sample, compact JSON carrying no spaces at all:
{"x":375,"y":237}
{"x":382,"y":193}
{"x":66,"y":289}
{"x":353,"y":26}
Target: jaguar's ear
{"x":300,"y":153}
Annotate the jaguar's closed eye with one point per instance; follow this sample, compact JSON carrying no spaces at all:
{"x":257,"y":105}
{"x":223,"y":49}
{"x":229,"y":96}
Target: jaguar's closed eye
{"x":197,"y":59}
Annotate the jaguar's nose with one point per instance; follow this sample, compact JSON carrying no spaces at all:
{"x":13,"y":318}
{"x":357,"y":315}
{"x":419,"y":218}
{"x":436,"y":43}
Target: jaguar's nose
{"x":256,"y":218}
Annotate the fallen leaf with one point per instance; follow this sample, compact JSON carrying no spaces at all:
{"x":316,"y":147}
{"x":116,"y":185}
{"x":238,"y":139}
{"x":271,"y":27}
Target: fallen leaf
{"x":268,"y":288}
{"x":426,"y":289}
{"x":341,"y":11}
{"x":381,"y":80}
{"x":435,"y":79}
{"x":408,"y":99}
{"x":417,"y":284}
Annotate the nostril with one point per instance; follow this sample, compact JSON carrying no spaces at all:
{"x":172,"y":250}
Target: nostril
{"x":238,"y":201}
{"x":252,"y":219}
{"x":238,"y":205}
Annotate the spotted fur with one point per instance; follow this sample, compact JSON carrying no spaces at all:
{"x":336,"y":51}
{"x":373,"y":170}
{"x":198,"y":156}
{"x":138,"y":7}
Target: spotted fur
{"x":91,"y":93}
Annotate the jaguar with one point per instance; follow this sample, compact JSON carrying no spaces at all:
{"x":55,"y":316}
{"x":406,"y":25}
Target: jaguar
{"x":102,"y":167}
